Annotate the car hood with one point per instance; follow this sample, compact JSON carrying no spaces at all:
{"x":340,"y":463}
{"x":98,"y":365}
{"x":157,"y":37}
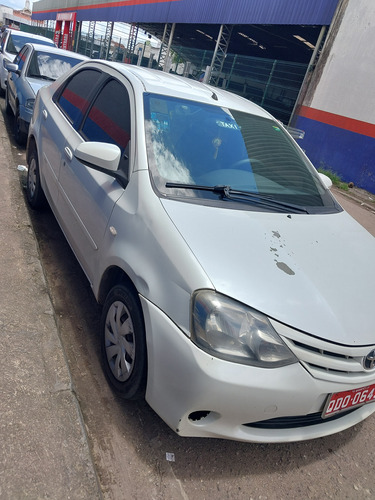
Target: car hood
{"x":37,"y":83}
{"x":314,"y":273}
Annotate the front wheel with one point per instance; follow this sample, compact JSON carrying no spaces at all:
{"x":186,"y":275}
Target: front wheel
{"x":123,"y":343}
{"x":8,"y":109}
{"x":34,"y":191}
{"x":19,"y":135}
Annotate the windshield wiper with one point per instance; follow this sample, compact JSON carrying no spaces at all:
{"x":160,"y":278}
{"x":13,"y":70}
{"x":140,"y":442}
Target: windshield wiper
{"x":42,"y":77}
{"x":219,"y":189}
{"x":45,"y":77}
{"x":244,"y":196}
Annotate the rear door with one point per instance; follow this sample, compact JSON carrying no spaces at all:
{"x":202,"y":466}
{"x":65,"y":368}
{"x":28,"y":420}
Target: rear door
{"x":60,"y":117}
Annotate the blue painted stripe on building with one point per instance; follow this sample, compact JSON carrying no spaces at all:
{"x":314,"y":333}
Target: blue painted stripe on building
{"x":310,"y":12}
{"x":346,"y":153}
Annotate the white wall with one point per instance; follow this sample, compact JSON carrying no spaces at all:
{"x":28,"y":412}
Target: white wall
{"x":5,"y":12}
{"x":347,"y":85}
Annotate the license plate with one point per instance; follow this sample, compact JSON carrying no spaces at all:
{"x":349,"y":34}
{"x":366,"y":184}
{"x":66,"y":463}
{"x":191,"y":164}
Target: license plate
{"x":345,"y":400}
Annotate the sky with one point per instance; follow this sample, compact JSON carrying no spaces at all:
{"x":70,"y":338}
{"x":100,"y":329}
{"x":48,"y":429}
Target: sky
{"x":15,"y":4}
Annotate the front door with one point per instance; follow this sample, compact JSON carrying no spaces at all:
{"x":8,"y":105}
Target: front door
{"x":86,"y":196}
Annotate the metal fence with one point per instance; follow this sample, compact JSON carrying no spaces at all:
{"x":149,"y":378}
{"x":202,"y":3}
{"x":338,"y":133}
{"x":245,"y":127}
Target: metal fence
{"x":273,"y":84}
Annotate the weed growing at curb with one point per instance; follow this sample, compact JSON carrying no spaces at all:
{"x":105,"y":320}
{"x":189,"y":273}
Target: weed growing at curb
{"x":335,"y":178}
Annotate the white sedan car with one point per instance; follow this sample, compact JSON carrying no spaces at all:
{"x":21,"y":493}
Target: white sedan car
{"x":237,"y":294}
{"x":11,"y":42}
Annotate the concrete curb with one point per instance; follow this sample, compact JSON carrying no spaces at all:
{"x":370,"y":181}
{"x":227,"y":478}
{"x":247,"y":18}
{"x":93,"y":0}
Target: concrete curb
{"x":355,"y":198}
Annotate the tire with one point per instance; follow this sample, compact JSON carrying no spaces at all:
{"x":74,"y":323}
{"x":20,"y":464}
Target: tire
{"x":19,"y":135}
{"x":34,"y":191}
{"x":8,"y":109}
{"x":123,"y":343}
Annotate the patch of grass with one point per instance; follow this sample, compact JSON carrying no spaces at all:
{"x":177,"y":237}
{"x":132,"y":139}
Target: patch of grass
{"x":335,"y":178}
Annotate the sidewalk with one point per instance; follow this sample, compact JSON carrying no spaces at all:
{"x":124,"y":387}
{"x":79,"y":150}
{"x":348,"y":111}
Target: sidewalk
{"x":364,"y":198}
{"x":44,"y":451}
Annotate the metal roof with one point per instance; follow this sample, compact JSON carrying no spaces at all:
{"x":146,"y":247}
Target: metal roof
{"x":263,"y":28}
{"x":265,"y":41}
{"x":306,"y":12}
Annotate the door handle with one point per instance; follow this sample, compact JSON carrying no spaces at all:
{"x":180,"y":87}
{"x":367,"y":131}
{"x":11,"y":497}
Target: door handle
{"x":68,"y":153}
{"x":45,"y":114}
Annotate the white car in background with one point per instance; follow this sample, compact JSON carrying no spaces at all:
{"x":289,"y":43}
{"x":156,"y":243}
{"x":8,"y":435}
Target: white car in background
{"x":33,"y":67}
{"x":237,"y":294}
{"x":11,"y":42}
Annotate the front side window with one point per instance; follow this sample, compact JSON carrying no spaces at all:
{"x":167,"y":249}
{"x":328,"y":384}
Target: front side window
{"x":21,"y":58}
{"x":109,"y":118}
{"x":198,"y":150}
{"x":73,"y":100}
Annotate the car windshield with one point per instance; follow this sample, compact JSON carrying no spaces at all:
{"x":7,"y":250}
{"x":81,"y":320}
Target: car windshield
{"x":16,"y":42}
{"x":195,"y":150}
{"x":50,"y":66}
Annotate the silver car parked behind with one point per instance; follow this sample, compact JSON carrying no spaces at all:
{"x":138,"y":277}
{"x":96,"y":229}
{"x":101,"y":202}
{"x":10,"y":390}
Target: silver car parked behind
{"x":33,"y":67}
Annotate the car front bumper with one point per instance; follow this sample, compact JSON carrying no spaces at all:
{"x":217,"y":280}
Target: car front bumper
{"x":199,"y":395}
{"x":25,"y":118}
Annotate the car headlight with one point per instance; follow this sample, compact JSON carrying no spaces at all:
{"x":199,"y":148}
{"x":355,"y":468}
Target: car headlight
{"x":29,"y":103}
{"x":232,"y":331}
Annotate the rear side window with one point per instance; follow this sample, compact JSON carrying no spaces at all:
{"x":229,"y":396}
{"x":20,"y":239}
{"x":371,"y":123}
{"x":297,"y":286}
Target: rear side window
{"x":73,"y":100}
{"x":16,"y":41}
{"x":3,"y":40}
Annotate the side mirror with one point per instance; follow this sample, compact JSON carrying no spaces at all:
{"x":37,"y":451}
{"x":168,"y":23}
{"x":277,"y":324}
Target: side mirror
{"x":12,"y":67}
{"x":99,"y":154}
{"x":103,"y":157}
{"x":326,"y":180}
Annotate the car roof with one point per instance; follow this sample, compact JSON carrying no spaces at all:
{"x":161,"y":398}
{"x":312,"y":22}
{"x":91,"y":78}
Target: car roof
{"x":159,"y":82}
{"x":51,"y":49}
{"x":24,"y":34}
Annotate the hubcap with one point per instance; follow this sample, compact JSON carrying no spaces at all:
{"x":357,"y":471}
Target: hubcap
{"x":32,"y":178}
{"x":119,"y":341}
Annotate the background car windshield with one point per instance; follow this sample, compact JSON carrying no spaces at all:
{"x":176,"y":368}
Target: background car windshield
{"x":195,"y":143}
{"x":45,"y":65}
{"x":16,"y":42}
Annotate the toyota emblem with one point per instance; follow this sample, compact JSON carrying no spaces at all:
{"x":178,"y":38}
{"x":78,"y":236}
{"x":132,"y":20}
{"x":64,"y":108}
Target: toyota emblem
{"x":369,"y":360}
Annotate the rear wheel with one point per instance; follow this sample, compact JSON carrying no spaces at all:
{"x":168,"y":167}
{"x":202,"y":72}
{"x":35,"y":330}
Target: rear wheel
{"x":34,"y":191}
{"x":19,"y":135}
{"x":123,"y":343}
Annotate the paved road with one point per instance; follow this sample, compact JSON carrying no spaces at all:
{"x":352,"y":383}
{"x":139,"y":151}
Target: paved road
{"x":130,"y":443}
{"x":363,"y":215}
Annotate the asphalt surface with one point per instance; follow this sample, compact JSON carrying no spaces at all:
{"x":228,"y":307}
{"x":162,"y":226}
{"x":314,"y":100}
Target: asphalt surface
{"x":44,"y":449}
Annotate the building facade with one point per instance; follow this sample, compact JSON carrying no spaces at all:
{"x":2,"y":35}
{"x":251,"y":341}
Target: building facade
{"x":337,"y":110}
{"x":335,"y":105}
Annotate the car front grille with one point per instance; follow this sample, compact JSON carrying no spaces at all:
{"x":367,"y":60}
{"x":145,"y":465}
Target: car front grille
{"x":295,"y":422}
{"x":328,"y":361}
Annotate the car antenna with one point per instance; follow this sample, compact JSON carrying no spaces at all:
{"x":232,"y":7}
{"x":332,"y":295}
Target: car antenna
{"x":214,"y":96}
